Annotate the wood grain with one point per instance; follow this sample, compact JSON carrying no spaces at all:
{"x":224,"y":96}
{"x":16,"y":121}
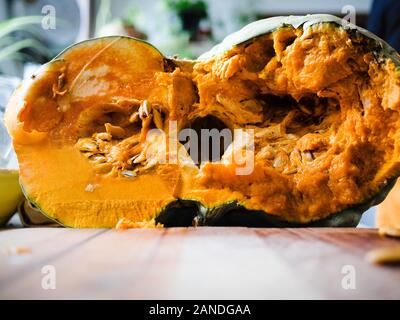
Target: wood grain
{"x":195,"y":263}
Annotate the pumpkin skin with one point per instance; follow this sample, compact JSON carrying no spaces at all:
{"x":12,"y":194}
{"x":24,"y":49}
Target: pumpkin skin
{"x":322,"y":97}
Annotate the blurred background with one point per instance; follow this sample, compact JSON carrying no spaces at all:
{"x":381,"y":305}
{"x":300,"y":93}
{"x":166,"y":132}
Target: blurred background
{"x":34,"y":31}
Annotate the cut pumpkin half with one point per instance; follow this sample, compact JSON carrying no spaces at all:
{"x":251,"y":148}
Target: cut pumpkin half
{"x":310,"y":105}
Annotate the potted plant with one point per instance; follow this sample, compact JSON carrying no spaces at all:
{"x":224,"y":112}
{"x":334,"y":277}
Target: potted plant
{"x":190,"y":12}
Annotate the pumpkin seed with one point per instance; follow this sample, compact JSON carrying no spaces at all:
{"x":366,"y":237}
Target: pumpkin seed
{"x":17,"y":250}
{"x":104,"y":136}
{"x":290,"y":170}
{"x":134,"y":117}
{"x":126,"y":102}
{"x":129,"y":173}
{"x":278,"y":162}
{"x":139,"y":158}
{"x":391,"y":232}
{"x":295,"y":158}
{"x":99,"y":158}
{"x":266,"y":152}
{"x":158,"y":119}
{"x":115,"y":131}
{"x":144,"y":110}
{"x":281,"y":160}
{"x":86,"y":144}
{"x":145,"y":126}
{"x":384,"y":255}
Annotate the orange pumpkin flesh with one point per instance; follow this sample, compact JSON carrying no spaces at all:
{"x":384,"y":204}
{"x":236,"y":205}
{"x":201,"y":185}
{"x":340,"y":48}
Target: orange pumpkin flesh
{"x":323,"y":106}
{"x":388,"y":217}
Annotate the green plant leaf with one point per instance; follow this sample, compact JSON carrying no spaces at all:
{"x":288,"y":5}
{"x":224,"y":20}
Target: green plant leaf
{"x":5,"y":41}
{"x":103,"y":14}
{"x":19,"y":45}
{"x":18,"y":23}
{"x":16,"y":56}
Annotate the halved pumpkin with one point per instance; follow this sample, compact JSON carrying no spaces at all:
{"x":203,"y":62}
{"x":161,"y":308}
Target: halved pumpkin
{"x":320,"y":97}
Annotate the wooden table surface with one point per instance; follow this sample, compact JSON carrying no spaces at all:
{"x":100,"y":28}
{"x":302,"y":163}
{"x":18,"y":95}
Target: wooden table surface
{"x":194,"y":263}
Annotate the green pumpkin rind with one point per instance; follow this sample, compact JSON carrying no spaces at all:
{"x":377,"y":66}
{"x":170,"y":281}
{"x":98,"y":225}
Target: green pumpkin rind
{"x":265,"y":26}
{"x":181,"y":213}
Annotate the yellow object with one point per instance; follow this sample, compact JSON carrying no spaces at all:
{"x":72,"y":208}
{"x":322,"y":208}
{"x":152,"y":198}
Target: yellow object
{"x":10,"y":194}
{"x":388,"y":218}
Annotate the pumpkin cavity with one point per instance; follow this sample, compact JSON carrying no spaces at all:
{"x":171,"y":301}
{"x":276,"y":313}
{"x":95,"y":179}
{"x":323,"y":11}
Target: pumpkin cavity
{"x":113,"y":138}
